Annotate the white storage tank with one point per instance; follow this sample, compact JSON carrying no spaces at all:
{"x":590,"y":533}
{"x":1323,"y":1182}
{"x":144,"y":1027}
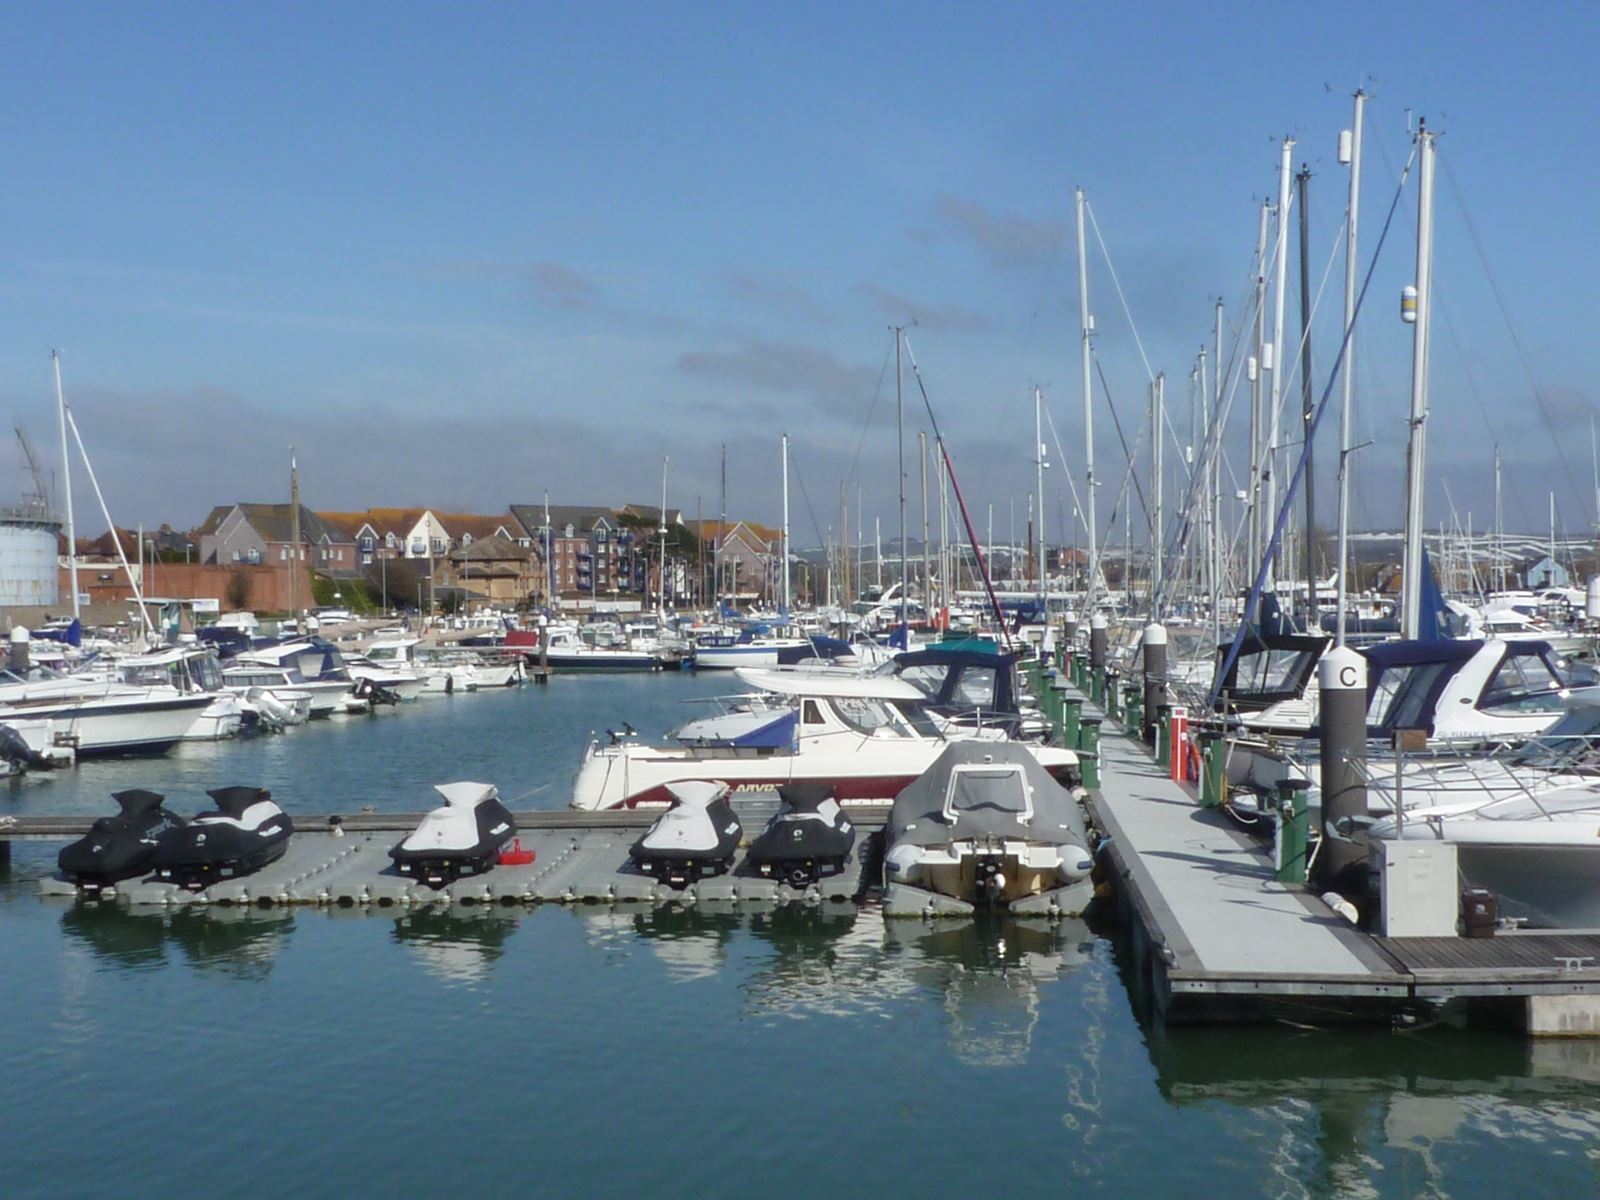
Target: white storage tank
{"x":28,"y":559}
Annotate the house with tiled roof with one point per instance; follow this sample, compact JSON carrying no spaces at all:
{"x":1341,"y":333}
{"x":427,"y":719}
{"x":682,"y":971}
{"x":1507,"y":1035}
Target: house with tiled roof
{"x":593,"y":551}
{"x":263,"y":534}
{"x":747,"y":557}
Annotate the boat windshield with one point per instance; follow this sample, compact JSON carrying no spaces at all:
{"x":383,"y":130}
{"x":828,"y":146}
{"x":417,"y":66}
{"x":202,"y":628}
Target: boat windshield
{"x":1524,"y":683}
{"x":1572,"y":744}
{"x":1403,"y":697}
{"x":917,"y":717}
{"x":868,"y":715}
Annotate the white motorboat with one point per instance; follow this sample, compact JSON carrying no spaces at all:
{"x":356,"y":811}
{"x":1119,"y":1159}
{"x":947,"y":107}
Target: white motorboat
{"x":399,"y":657}
{"x":189,"y":671}
{"x":867,"y":737}
{"x":100,"y":716}
{"x":317,"y":660}
{"x":323,"y":696}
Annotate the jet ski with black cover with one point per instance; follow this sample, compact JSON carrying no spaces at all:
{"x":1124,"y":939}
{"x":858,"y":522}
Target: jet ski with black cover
{"x":464,"y":836}
{"x":121,"y":846}
{"x":244,"y":833}
{"x":986,"y":825}
{"x":693,"y":839}
{"x":808,"y":838}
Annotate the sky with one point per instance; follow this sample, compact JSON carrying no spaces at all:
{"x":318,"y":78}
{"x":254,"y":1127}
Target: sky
{"x":461,"y":255}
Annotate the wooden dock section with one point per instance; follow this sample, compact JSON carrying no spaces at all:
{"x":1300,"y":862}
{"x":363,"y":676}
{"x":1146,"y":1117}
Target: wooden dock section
{"x":1214,"y":936}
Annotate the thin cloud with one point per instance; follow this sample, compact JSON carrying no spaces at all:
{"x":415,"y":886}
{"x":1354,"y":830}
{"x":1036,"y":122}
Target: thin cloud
{"x":776,"y":296}
{"x":1009,"y":239}
{"x":897,"y":307}
{"x":792,"y":367}
{"x":559,"y":285}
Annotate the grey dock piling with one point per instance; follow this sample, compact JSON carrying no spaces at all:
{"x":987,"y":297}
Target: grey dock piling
{"x":1099,"y":639}
{"x":1342,"y":674}
{"x":1155,"y":676}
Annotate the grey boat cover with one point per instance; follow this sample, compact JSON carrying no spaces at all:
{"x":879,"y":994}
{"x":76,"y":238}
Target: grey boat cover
{"x":985,"y":789}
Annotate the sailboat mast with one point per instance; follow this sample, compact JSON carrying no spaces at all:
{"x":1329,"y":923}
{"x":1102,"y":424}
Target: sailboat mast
{"x":1348,"y":366}
{"x":294,"y":540}
{"x":66,"y":486}
{"x":1307,"y":400}
{"x":1275,"y":356}
{"x":1157,"y":522}
{"x":1039,"y":465}
{"x":900,"y":451}
{"x":1255,"y":366}
{"x":1411,"y":572}
{"x":785,"y":609}
{"x":1214,"y":469}
{"x":927,"y":582}
{"x":1086,"y":323}
{"x":1499,"y":529}
{"x":661,"y":606}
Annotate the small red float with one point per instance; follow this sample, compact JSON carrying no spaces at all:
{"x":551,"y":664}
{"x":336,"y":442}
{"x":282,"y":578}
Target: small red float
{"x":514,"y":855}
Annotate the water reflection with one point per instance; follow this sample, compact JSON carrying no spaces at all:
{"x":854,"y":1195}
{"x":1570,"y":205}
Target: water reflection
{"x":990,"y":972}
{"x":458,"y":945}
{"x":839,"y":960}
{"x":1411,"y":1095}
{"x":229,"y":940}
{"x":691,"y":941}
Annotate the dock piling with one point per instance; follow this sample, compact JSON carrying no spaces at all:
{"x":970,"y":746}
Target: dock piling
{"x":1342,"y":675}
{"x":1155,"y":673}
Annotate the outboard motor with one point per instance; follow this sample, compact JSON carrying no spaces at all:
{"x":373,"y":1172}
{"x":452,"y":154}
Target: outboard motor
{"x":374,"y":693}
{"x":463,"y":837}
{"x":807,"y":839}
{"x":15,"y":750}
{"x":693,"y":839}
{"x":245,"y":832}
{"x":122,"y":846}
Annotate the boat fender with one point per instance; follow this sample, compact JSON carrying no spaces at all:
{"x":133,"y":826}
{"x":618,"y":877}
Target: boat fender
{"x":1342,"y":906}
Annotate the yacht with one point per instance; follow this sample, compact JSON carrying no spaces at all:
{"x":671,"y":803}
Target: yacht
{"x":316,"y":660}
{"x":323,"y":698}
{"x":866,"y":736}
{"x":188,"y":671}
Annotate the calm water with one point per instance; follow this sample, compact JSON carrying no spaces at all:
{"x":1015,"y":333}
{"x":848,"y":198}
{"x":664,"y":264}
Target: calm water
{"x":604,"y":1051}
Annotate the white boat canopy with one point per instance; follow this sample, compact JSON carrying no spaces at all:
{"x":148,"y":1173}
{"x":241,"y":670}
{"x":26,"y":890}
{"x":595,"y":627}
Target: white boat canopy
{"x":824,"y":685}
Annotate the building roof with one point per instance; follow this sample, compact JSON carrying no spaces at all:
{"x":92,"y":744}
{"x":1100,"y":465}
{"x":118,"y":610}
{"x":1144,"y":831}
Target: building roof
{"x":582,"y":517}
{"x":493,"y":548}
{"x":275,"y":523}
{"x":720,"y":531}
{"x":479,"y":526}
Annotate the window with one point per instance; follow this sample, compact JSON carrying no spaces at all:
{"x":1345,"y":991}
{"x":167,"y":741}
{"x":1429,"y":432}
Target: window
{"x":975,"y":687}
{"x":283,"y":554}
{"x":438,"y":545}
{"x":466,"y":539}
{"x":1000,"y":789}
{"x":1523,"y":683}
{"x":600,"y":534}
{"x":812,"y":714}
{"x":253,"y":555}
{"x":366,"y":544}
{"x":235,"y":556}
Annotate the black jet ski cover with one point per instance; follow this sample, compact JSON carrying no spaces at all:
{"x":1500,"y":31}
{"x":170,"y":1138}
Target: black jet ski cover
{"x":245,"y":832}
{"x":807,"y":838}
{"x":464,"y":836}
{"x":122,"y":846}
{"x":694,"y":838}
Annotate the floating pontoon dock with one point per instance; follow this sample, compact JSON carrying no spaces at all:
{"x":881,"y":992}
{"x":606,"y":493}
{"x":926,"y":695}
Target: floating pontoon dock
{"x":1215,"y":937}
{"x":578,"y":857}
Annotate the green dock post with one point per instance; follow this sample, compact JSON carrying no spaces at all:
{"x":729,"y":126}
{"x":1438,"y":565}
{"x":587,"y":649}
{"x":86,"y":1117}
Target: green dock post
{"x":1089,"y":752}
{"x":1113,"y":695}
{"x":1290,"y":841}
{"x":1050,"y":699}
{"x":1213,"y":770}
{"x":1071,"y":719}
{"x":1163,"y":724}
{"x":1134,"y":721}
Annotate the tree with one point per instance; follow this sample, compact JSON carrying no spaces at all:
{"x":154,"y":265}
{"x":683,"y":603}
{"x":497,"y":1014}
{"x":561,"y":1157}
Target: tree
{"x":238,"y":590}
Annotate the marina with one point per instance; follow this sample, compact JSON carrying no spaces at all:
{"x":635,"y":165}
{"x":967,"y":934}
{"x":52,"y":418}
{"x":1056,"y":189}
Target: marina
{"x":845,"y":602}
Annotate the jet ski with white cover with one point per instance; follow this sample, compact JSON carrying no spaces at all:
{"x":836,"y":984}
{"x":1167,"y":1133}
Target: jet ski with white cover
{"x":245,"y":832}
{"x":121,"y":846}
{"x":807,"y":839}
{"x":693,"y":839}
{"x":464,"y":836}
{"x":986,"y":825}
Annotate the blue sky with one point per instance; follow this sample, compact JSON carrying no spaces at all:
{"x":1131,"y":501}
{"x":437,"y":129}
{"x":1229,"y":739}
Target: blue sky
{"x":462,"y":254}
